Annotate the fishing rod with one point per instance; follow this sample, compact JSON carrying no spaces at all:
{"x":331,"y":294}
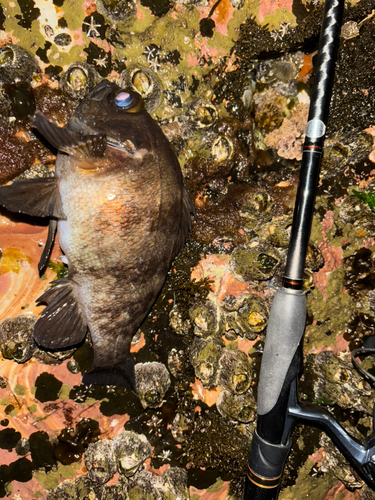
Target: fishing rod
{"x":282,"y":362}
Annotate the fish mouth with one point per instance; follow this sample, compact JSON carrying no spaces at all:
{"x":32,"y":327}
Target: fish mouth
{"x":126,"y":145}
{"x":102,"y":90}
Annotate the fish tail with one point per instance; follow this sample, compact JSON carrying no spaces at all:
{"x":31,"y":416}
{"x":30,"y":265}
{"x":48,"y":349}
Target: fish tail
{"x":120,"y":374}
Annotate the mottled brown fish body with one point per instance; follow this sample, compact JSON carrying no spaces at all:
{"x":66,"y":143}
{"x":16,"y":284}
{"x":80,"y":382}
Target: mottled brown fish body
{"x":122,"y":213}
{"x":118,"y":238}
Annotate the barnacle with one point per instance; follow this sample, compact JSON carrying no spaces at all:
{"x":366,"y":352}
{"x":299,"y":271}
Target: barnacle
{"x":222,"y":148}
{"x":234,"y":372}
{"x":100,"y":461}
{"x":117,"y":10}
{"x":204,"y":356}
{"x":206,"y":319}
{"x":16,"y":338}
{"x":130,"y":450}
{"x":78,"y":80}
{"x":152,"y":382}
{"x":237,"y":407}
{"x":247,"y":314}
{"x":255,"y":261}
{"x":17,"y":65}
{"x":146,"y":83}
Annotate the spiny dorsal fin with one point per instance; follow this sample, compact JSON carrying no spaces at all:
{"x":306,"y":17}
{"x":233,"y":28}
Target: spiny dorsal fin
{"x":89,"y":145}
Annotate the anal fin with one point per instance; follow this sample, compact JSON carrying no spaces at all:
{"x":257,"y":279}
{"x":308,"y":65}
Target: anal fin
{"x":61,"y":324}
{"x":38,"y":197}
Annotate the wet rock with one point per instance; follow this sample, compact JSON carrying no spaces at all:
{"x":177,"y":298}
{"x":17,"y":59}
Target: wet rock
{"x":152,"y":382}
{"x":16,"y":338}
{"x":73,"y":442}
{"x":255,"y":261}
{"x":234,"y":372}
{"x":100,"y":461}
{"x":204,"y":356}
{"x":335,"y":381}
{"x":131,"y":450}
{"x":335,"y":463}
{"x":237,"y":407}
{"x":17,"y":65}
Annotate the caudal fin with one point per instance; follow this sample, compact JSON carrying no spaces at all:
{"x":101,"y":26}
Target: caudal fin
{"x":121,"y":374}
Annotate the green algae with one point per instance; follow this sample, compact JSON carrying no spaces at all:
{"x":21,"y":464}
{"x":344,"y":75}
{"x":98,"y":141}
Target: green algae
{"x":64,"y":392}
{"x":308,"y":486}
{"x":331,"y":314}
{"x":216,"y":486}
{"x":19,"y":390}
{"x":367,"y":198}
{"x":48,"y":480}
{"x":276,"y":19}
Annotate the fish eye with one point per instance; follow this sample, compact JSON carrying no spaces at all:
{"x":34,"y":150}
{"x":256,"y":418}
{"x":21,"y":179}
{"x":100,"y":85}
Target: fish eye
{"x":128,"y":101}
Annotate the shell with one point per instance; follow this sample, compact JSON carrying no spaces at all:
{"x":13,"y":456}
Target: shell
{"x":177,"y":362}
{"x":17,"y":65}
{"x":255,"y":261}
{"x":247,"y":315}
{"x":152,"y":382}
{"x":100,"y":461}
{"x":234,"y":372}
{"x":16,"y":338}
{"x":78,"y":80}
{"x":131,"y":450}
{"x":207,"y":319}
{"x":145,"y":82}
{"x":182,"y":427}
{"x":237,"y":407}
{"x":204,"y":356}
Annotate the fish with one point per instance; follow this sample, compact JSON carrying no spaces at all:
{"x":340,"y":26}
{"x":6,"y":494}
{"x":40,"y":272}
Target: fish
{"x":119,"y":204}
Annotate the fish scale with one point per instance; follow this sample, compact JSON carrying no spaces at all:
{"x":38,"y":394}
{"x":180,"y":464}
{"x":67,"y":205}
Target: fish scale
{"x":122,"y":212}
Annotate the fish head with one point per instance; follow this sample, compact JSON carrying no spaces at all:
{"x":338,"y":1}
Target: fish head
{"x":117,"y":112}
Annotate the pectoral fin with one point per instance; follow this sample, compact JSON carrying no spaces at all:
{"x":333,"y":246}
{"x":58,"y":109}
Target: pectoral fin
{"x":89,"y":145}
{"x":61,"y":324}
{"x":48,"y":246}
{"x":37,"y":197}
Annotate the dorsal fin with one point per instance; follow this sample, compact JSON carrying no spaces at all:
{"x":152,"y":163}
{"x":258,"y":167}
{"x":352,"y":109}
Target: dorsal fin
{"x":89,"y":145}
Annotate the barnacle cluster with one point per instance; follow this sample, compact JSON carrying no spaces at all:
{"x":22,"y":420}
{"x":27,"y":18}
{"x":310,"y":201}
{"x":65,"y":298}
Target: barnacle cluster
{"x":126,"y":455}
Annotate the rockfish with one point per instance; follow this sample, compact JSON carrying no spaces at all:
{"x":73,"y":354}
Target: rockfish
{"x":122,"y":212}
